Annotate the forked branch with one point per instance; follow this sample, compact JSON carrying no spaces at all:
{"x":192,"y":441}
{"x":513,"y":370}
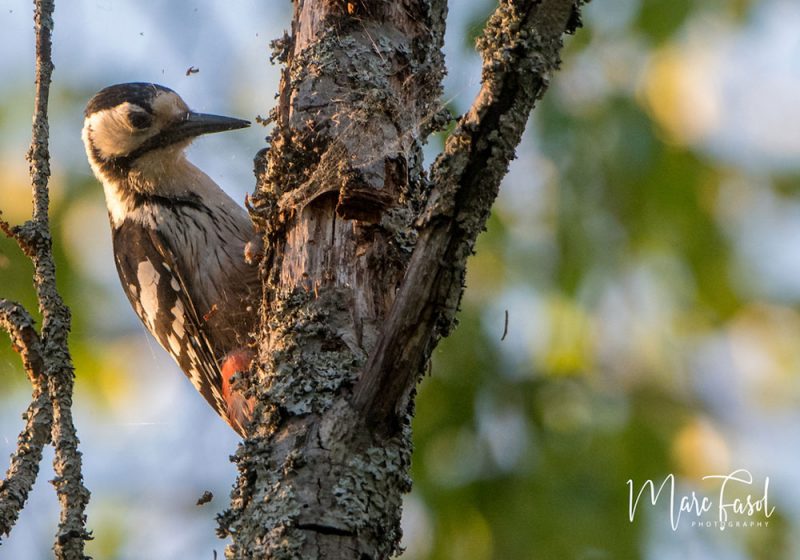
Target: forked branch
{"x":520,"y":48}
{"x":45,"y":355}
{"x":24,"y":466}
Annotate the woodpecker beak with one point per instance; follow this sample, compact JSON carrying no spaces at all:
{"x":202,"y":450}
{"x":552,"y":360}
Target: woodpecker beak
{"x":195,"y":124}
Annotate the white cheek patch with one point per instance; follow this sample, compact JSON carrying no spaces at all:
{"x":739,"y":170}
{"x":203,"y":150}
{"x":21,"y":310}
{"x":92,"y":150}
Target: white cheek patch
{"x":111,"y":131}
{"x":148,"y":278}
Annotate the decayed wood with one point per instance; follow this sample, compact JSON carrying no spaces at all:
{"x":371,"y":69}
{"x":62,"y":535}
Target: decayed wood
{"x":337,"y":194}
{"x":365,"y":257}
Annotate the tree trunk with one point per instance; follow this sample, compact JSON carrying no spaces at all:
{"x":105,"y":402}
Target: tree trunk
{"x":365,"y":257}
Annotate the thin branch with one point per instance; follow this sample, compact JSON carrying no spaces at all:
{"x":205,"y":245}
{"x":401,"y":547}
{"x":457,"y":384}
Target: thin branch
{"x":45,"y":356}
{"x":24,"y":465}
{"x":19,"y":324}
{"x":73,"y":496}
{"x":6,"y":228}
{"x":520,"y":48}
{"x":17,"y":233}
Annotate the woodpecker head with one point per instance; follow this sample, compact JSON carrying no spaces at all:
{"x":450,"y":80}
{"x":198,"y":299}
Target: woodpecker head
{"x":135,"y":132}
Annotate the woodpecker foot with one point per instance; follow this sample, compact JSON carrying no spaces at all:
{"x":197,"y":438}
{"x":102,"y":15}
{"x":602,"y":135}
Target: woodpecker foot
{"x":240,"y":409}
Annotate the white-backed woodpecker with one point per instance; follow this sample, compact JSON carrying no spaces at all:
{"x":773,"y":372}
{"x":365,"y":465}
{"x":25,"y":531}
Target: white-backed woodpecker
{"x":179,"y":240}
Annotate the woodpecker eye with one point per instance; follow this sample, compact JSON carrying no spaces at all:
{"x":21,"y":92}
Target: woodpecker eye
{"x":140,"y":119}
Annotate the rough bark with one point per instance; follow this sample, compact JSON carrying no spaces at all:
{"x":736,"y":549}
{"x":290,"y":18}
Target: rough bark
{"x":365,"y":257}
{"x":520,"y":47}
{"x":45,"y":354}
{"x":24,"y":465}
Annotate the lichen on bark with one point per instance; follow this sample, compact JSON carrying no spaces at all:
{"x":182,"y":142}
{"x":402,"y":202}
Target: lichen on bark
{"x":45,"y":354}
{"x":365,"y":257}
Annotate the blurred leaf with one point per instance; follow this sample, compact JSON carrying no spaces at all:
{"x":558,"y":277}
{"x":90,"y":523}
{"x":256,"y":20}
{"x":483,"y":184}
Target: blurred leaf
{"x":659,"y":19}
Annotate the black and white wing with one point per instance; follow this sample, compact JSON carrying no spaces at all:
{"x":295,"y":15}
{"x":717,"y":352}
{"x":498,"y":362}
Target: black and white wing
{"x":158,"y":291}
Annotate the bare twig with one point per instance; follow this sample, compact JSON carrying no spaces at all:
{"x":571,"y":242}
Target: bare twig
{"x":520,"y":48}
{"x":46,"y":355}
{"x":6,"y":228}
{"x":19,"y":324}
{"x":24,"y":466}
{"x":35,"y":234}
